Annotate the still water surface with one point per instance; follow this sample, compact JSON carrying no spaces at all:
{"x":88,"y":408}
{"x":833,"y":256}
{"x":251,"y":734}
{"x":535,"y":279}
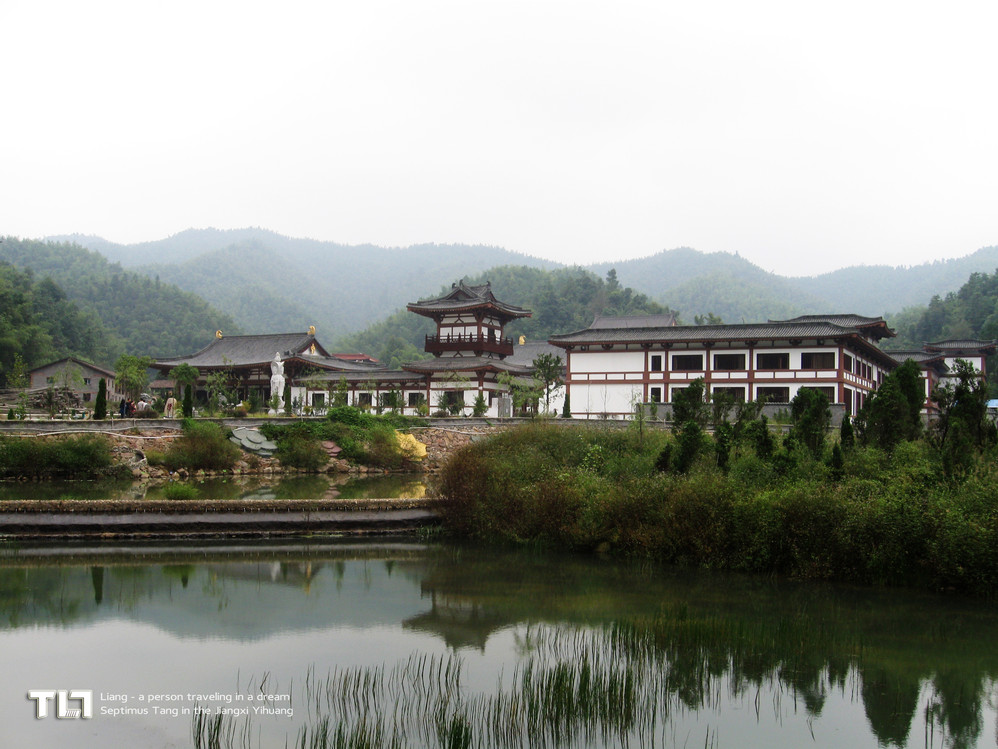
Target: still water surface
{"x":434,"y":644}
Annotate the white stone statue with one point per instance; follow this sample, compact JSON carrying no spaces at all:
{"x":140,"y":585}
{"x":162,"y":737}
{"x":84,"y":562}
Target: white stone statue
{"x":277,"y":383}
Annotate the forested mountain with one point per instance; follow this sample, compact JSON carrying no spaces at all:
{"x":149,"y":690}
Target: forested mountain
{"x":732,"y":287}
{"x":880,"y":289}
{"x":273,"y":283}
{"x":970,"y":312}
{"x":143,"y":315}
{"x":561,"y":300}
{"x":269,"y":283}
{"x":39,"y":323}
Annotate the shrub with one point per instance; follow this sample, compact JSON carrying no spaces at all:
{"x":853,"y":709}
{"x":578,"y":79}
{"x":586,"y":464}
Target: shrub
{"x":204,"y":445}
{"x":301,"y":450}
{"x":85,"y":456}
{"x":180,"y":491}
{"x":887,"y":518}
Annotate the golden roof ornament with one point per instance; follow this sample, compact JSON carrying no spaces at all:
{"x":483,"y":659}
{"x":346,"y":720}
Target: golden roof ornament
{"x":218,"y":334}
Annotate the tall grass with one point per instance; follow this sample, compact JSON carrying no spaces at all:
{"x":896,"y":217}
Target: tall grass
{"x":620,"y":684}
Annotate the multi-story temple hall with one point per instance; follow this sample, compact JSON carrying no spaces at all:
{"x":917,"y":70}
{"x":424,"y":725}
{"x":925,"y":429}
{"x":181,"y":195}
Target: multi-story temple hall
{"x":470,"y":351}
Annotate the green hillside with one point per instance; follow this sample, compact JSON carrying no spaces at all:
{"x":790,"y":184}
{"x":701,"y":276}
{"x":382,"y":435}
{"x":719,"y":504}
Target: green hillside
{"x":40,"y":324}
{"x":269,"y":282}
{"x":732,"y":287}
{"x":561,"y":300}
{"x":144,"y":315}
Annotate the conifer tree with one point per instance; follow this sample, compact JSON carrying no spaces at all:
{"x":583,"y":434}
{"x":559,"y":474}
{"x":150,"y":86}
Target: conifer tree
{"x":188,"y":406}
{"x":100,"y":405}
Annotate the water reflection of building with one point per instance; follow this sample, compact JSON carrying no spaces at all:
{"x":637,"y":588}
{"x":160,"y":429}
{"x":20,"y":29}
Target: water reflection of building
{"x":459,"y":621}
{"x":294,"y":574}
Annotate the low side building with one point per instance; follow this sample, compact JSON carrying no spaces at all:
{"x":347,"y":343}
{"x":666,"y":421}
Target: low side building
{"x":78,"y":375}
{"x":471,"y":356}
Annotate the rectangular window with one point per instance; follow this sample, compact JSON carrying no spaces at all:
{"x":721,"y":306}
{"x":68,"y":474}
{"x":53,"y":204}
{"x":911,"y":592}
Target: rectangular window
{"x":772,"y":361}
{"x":86,"y":380}
{"x":827,"y":392}
{"x":656,"y":362}
{"x":819,"y":360}
{"x":364,"y":399}
{"x":656,"y":395}
{"x":687,"y":362}
{"x":50,"y":380}
{"x":847,"y":362}
{"x":86,"y":397}
{"x":737,"y":393}
{"x":416,"y":400}
{"x":318,"y":400}
{"x":729,"y":361}
{"x":773,"y":395}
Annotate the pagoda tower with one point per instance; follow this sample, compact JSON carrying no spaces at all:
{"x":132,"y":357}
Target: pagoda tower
{"x":470,"y":322}
{"x":469,"y":346}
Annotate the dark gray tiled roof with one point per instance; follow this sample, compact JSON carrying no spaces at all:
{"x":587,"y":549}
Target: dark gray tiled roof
{"x":382,"y":375}
{"x":848,"y":320}
{"x":965,"y":344}
{"x":464,"y":364}
{"x":81,"y":362}
{"x":872,"y":325}
{"x":244,"y":350}
{"x":339,"y":365}
{"x":462,"y":296}
{"x":924,"y":359}
{"x":525,"y":353}
{"x":693,"y":334}
{"x":707,"y":333}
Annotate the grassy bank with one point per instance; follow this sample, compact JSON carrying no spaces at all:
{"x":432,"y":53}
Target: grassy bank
{"x":71,"y":457}
{"x":882,"y":518}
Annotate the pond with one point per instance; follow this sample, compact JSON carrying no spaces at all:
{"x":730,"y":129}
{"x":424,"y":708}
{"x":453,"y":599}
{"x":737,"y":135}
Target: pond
{"x":398,"y":642}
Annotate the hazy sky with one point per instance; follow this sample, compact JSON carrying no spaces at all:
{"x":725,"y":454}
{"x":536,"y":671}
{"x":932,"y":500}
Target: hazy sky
{"x":802,"y":135}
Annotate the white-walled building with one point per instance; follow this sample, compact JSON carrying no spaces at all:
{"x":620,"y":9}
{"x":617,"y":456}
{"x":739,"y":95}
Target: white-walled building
{"x":615,"y":364}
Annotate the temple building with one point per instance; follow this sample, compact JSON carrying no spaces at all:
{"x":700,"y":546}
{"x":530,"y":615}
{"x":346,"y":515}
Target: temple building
{"x":469,"y":357}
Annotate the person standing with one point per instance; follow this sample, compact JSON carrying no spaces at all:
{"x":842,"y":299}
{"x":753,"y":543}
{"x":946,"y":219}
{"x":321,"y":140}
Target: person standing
{"x":171,"y":407}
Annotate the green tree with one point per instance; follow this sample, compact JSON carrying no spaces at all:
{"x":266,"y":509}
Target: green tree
{"x":100,"y":405}
{"x":688,"y":404}
{"x":183,"y":375}
{"x":893,"y":413}
{"x":524,"y":394}
{"x":339,"y":396}
{"x":811,"y":416}
{"x":962,"y":427}
{"x":846,"y":436}
{"x":188,"y":407}
{"x":480,"y":406}
{"x":132,"y":374}
{"x":548,"y":369}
